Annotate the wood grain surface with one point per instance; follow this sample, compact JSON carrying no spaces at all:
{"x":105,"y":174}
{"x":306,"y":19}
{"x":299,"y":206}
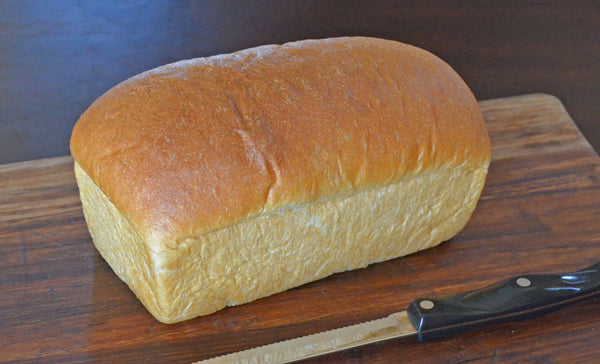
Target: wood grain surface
{"x":539,"y":212}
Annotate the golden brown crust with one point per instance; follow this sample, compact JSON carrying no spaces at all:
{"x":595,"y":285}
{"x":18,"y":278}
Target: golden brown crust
{"x":198,"y":145}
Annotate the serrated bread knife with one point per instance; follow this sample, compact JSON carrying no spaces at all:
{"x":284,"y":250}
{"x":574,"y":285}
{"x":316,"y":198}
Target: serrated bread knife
{"x":520,"y":297}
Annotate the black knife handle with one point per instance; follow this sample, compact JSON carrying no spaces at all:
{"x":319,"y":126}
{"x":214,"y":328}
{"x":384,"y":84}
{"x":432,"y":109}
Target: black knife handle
{"x":520,"y":297}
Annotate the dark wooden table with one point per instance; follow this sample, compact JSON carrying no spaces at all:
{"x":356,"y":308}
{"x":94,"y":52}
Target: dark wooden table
{"x":539,"y":212}
{"x":58,"y":56}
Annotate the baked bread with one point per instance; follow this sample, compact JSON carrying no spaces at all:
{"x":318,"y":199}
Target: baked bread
{"x":216,"y":181}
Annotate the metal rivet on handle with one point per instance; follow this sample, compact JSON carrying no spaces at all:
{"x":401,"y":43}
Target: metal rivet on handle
{"x":523,"y":282}
{"x":426,"y":304}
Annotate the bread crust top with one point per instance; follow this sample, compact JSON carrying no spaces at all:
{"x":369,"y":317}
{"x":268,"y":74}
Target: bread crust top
{"x":197,"y":145}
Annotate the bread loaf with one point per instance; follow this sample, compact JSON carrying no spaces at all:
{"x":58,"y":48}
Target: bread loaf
{"x":216,"y":181}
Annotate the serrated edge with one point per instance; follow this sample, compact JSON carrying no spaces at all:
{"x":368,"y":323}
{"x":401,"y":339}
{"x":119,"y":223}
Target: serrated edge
{"x":343,"y":338}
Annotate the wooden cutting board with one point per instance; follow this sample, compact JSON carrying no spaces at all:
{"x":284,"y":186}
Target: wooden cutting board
{"x":539,"y":212}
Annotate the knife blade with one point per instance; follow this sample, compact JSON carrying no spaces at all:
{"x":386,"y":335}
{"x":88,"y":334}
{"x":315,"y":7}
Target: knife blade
{"x":431,"y":318}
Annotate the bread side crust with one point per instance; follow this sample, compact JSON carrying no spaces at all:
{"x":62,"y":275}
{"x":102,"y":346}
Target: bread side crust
{"x":117,"y":240}
{"x":284,"y":249}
